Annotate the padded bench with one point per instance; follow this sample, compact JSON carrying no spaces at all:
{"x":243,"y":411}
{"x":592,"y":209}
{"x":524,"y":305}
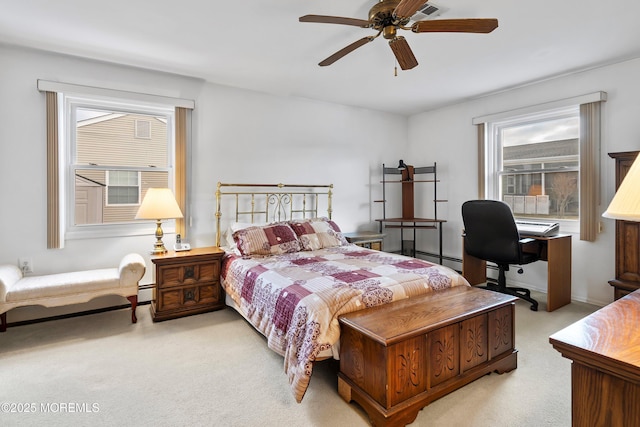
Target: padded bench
{"x":55,"y":290}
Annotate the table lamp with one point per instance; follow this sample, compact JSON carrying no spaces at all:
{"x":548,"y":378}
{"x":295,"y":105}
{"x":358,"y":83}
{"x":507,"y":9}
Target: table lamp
{"x":159,"y":204}
{"x":625,"y":205}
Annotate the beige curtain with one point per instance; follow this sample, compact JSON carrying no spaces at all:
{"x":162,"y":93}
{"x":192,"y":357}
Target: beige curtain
{"x":53,"y":174}
{"x":590,"y":115}
{"x":181,"y":168}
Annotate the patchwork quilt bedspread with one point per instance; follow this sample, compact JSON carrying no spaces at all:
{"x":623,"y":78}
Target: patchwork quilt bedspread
{"x":295,"y":299}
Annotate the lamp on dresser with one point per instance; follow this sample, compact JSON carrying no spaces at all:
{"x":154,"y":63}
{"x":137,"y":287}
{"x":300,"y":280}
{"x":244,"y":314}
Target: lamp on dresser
{"x":159,"y":204}
{"x":625,"y":208}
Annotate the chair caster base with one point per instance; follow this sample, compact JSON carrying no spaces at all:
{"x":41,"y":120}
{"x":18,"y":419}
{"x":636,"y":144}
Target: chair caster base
{"x":521,"y":293}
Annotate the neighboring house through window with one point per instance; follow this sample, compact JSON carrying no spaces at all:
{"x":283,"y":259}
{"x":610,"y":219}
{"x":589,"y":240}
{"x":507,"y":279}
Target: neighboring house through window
{"x":117,"y":150}
{"x":536,"y":164}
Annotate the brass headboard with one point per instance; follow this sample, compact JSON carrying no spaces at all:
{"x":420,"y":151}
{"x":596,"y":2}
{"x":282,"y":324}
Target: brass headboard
{"x":268,"y":203}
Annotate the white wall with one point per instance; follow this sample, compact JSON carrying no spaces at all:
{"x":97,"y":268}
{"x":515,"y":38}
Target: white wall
{"x":238,"y":136}
{"x":448,"y":137}
{"x":245,"y":136}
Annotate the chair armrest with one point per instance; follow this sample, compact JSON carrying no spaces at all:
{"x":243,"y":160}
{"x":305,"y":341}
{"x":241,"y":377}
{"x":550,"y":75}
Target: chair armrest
{"x":131,"y":269}
{"x":9,"y":275}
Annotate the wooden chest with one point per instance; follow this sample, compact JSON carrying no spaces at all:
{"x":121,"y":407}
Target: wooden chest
{"x":397,"y":358}
{"x":187,"y":283}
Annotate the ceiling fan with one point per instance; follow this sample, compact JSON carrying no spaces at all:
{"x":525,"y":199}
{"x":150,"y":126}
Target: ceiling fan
{"x":388,"y":16}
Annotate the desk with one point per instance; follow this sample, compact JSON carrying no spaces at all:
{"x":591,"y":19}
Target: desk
{"x":556,"y":250}
{"x":605,"y":371}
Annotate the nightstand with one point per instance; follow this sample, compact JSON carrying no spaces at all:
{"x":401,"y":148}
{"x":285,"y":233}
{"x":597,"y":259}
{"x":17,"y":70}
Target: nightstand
{"x":187,"y":283}
{"x":366,"y":239}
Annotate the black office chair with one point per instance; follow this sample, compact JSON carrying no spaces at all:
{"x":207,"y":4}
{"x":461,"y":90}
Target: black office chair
{"x":491,"y":234}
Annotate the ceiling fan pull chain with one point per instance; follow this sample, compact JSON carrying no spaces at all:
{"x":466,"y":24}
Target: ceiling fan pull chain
{"x":395,"y":69}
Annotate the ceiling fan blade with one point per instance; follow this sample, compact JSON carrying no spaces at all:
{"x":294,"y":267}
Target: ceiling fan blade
{"x":342,"y":52}
{"x":473,"y":25}
{"x":323,"y":19}
{"x":403,"y":53}
{"x":407,"y":8}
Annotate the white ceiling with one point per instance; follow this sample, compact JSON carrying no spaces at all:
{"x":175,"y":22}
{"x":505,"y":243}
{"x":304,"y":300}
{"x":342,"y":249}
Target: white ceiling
{"x":260,"y":45}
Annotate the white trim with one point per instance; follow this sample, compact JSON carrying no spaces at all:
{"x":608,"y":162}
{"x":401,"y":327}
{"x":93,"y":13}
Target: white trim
{"x":567,"y":102}
{"x":49,"y":86}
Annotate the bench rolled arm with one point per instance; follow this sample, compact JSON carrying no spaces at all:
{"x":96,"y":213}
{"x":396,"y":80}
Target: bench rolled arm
{"x":131,"y":269}
{"x":9,"y":275}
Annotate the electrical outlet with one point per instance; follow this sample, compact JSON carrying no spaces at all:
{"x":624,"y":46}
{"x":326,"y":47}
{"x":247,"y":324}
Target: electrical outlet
{"x":26,"y":265}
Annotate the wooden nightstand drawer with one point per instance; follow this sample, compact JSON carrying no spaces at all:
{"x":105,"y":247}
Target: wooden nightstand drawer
{"x":187,"y":283}
{"x":188,"y":296}
{"x":177,"y":275}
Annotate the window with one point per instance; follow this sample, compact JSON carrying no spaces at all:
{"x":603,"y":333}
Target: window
{"x":536,"y":164}
{"x":544,"y":161}
{"x":105,"y":148}
{"x":108,"y":168}
{"x":123,"y":188}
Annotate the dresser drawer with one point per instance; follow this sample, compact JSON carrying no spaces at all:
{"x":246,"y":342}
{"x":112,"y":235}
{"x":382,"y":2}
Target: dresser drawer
{"x":178,"y":275}
{"x":188,"y":296}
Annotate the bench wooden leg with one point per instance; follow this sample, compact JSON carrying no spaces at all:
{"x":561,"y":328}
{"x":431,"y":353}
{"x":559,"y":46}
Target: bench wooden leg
{"x":134,"y":303}
{"x":3,"y":322}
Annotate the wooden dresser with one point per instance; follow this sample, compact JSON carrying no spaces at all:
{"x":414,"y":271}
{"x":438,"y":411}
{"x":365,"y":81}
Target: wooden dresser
{"x":627,"y":238}
{"x":187,"y":283}
{"x":399,"y":357}
{"x":605,"y":373}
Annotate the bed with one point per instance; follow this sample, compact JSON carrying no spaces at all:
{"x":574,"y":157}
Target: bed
{"x":289,"y":271}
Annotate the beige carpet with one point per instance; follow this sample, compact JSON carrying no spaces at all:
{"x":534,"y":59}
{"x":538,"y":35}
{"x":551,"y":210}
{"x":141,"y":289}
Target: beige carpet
{"x":214,"y":370}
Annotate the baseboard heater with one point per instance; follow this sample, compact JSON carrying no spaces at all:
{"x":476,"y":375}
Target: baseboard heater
{"x":453,"y":259}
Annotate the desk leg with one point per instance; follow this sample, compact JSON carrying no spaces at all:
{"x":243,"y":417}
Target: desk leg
{"x":558,"y":272}
{"x":473,"y":269}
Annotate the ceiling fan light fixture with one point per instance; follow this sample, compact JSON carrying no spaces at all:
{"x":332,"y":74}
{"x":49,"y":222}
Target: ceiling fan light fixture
{"x":389,"y":32}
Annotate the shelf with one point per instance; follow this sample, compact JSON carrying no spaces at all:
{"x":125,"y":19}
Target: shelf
{"x":408,"y":182}
{"x":408,"y":221}
{"x":413,"y":227}
{"x":423,"y":220}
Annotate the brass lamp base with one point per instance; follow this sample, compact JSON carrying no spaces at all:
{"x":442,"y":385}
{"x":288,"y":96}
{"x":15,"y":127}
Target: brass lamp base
{"x":158,"y":246}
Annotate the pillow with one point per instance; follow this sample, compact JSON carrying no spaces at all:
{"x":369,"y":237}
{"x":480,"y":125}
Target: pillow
{"x":272,"y":239}
{"x":228,"y":244}
{"x":318,"y":233}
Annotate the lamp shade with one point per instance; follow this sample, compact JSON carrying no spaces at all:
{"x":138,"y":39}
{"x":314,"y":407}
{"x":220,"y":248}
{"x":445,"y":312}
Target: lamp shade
{"x":626,"y":202}
{"x":159,"y":203}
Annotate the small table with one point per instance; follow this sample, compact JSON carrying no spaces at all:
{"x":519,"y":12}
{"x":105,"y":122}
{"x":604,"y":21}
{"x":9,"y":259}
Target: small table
{"x":187,"y":283}
{"x":366,"y":239}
